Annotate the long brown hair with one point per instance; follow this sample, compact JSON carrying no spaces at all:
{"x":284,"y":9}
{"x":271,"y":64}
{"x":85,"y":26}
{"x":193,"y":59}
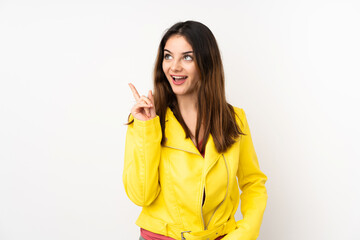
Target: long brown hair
{"x":216,"y":115}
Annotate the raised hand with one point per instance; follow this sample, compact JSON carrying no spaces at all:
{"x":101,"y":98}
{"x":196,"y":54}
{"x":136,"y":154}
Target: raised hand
{"x":144,"y":109}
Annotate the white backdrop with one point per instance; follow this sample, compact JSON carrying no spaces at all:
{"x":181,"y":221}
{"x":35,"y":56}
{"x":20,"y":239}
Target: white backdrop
{"x":293,"y":66}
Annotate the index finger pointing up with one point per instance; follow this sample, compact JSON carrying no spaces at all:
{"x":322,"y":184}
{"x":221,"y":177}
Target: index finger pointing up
{"x":135,"y":92}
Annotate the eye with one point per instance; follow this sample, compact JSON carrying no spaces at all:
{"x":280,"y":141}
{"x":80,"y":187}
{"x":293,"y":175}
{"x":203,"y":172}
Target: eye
{"x":167,"y":56}
{"x":188,"y":57}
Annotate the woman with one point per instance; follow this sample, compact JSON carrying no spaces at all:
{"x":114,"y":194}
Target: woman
{"x":188,"y":151}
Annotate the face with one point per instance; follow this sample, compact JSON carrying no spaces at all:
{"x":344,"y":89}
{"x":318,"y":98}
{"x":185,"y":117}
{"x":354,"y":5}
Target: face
{"x":179,"y":66}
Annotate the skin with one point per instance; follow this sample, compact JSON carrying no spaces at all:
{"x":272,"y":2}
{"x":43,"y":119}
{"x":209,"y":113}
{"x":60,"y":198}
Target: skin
{"x":144,"y":108}
{"x":178,"y":61}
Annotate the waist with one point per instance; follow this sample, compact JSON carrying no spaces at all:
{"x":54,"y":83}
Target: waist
{"x":148,"y":235}
{"x":178,"y":232}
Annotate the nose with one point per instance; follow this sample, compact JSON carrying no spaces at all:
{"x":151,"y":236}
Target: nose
{"x":176,"y":66}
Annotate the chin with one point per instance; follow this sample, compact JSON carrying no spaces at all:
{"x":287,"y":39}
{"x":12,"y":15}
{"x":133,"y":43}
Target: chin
{"x":182,"y":93}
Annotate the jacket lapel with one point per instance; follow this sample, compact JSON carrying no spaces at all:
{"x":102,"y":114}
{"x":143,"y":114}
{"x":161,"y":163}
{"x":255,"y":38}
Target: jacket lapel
{"x":211,"y":154}
{"x":176,"y":138}
{"x":175,"y":135}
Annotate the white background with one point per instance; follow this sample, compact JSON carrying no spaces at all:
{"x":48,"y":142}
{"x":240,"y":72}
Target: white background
{"x":293,"y":66}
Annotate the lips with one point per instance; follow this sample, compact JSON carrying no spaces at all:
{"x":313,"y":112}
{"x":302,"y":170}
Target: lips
{"x":178,"y":79}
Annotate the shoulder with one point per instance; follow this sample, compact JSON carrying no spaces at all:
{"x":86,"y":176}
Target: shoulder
{"x":239,"y":114}
{"x":239,"y":111}
{"x":241,"y":119}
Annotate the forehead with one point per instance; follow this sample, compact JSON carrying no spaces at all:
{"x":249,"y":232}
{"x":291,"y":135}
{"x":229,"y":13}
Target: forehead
{"x":178,"y":43}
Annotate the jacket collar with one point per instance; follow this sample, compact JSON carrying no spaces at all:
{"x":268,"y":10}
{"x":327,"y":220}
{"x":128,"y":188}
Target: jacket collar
{"x":176,"y":138}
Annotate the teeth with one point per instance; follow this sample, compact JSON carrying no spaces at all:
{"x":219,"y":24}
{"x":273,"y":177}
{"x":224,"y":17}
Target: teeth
{"x":176,"y":77}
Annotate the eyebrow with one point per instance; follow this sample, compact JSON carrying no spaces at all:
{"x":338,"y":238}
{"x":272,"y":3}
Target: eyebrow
{"x":182,"y":53}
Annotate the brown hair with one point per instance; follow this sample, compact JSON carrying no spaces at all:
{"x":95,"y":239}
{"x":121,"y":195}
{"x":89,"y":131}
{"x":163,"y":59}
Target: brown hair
{"x":216,"y":115}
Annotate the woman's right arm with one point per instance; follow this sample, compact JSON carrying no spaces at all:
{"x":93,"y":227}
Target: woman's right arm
{"x":142,"y":156}
{"x":142,"y":152}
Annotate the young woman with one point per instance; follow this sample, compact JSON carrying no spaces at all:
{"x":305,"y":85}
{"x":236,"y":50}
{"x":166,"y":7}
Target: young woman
{"x":188,"y":151}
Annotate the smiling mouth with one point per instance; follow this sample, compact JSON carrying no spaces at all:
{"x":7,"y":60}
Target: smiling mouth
{"x":178,"y":80}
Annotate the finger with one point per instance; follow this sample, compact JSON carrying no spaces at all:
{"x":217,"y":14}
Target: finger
{"x":134,"y":91}
{"x":142,"y":105}
{"x":147,"y":112}
{"x":145,"y":99}
{"x":151,"y":97}
{"x":152,"y":110}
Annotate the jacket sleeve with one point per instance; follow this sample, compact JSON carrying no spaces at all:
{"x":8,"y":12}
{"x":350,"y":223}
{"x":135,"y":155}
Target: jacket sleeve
{"x":142,"y":157}
{"x":252,"y":184}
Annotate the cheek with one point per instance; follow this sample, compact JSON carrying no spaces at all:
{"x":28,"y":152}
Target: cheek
{"x":194,"y":72}
{"x":165,"y":67}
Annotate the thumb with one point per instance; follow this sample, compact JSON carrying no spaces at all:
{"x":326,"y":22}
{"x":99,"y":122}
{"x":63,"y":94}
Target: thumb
{"x":153,"y":109}
{"x":151,"y":97}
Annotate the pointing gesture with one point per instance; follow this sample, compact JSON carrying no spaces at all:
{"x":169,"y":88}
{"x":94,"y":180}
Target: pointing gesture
{"x":144,"y":109}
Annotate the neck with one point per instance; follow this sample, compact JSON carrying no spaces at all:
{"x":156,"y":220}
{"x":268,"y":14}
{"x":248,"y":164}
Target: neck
{"x":187,"y":104}
{"x":188,"y":109}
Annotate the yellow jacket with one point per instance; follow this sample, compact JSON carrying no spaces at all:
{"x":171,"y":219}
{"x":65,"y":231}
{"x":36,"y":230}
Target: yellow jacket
{"x":169,"y":182}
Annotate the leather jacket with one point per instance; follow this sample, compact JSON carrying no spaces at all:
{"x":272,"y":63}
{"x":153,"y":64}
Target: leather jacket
{"x":169,"y":182}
